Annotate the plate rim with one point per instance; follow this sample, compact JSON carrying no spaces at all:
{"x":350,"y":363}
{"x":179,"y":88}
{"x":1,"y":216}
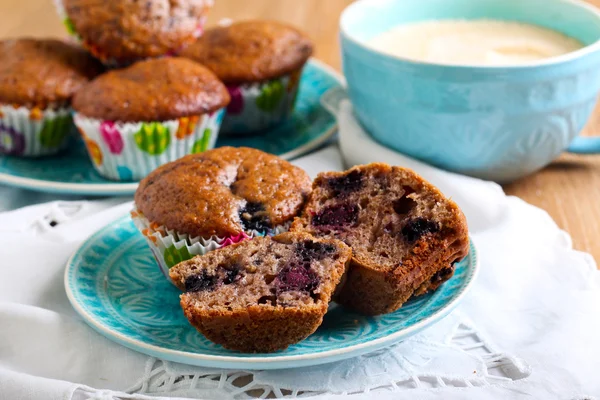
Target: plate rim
{"x":257,"y":362}
{"x":113,"y":188}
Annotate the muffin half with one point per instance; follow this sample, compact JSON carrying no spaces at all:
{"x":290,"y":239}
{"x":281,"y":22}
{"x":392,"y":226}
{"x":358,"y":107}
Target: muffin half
{"x":264,"y":294}
{"x":405,"y":235}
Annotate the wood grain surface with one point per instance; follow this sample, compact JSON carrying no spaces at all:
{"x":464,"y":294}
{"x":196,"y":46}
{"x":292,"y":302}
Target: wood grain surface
{"x":569,"y":189}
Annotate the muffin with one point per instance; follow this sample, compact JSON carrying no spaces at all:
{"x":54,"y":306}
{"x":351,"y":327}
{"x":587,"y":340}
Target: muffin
{"x":262,"y":295}
{"x":120,"y":32}
{"x":135,"y":119}
{"x":38,"y":78}
{"x":405,"y":235}
{"x":261,"y":63}
{"x":213,"y":199}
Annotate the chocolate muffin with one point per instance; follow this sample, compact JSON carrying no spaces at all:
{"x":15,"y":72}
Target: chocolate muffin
{"x":120,"y":32}
{"x":262,"y":295}
{"x":205,"y":201}
{"x":405,"y":235}
{"x":135,"y":119}
{"x":38,"y":78}
{"x":261,"y":63}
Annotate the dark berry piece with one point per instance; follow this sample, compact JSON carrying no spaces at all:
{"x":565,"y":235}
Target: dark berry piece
{"x":231,"y":274}
{"x":272,"y":300}
{"x":407,"y":190}
{"x":389,"y":227}
{"x":403,"y":205}
{"x":443,"y":275}
{"x":309,"y":251}
{"x":297,"y":276}
{"x":418,"y":227}
{"x":346,"y":184}
{"x":200,"y":282}
{"x":337,"y":215}
{"x":254,"y":217}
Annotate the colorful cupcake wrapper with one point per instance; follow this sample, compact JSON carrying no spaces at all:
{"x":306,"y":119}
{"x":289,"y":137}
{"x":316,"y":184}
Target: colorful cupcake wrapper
{"x":170,"y":248}
{"x":101,"y":55}
{"x":32,"y":132}
{"x":130,"y":151}
{"x":258,"y":106}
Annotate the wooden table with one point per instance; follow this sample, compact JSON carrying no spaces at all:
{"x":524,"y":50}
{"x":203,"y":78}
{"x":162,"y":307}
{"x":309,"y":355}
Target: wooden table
{"x":569,"y":189}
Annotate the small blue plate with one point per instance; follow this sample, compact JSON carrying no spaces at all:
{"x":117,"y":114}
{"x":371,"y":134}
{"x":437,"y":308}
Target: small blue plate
{"x":72,"y":172}
{"x":113,"y":282}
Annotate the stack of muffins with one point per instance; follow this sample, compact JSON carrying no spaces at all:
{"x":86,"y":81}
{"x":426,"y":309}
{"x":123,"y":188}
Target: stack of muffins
{"x":144,"y":84}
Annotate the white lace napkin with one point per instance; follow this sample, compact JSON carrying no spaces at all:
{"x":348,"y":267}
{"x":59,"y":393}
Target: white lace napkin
{"x":528,"y":329}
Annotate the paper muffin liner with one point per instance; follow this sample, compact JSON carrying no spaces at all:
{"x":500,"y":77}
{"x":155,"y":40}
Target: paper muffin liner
{"x":170,"y":247}
{"x":262,"y":105}
{"x":104,"y":56}
{"x":130,"y":151}
{"x":33,"y":132}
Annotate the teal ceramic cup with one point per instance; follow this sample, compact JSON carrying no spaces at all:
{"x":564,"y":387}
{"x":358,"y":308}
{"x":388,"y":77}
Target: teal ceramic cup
{"x":497,"y":123}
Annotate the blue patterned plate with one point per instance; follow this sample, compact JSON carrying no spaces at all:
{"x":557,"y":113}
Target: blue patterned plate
{"x":72,"y":172}
{"x":113,"y":282}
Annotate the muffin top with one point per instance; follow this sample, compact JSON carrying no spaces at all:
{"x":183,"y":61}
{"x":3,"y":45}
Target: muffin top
{"x":251,"y":51}
{"x":43,"y":72}
{"x":127,"y":30}
{"x":223,"y":192}
{"x":152,"y":90}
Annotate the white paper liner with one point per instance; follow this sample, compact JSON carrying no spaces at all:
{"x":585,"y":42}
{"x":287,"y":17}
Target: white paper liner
{"x":258,"y":106}
{"x":105,"y":58}
{"x":170,"y":247}
{"x":130,"y":151}
{"x":33,"y":132}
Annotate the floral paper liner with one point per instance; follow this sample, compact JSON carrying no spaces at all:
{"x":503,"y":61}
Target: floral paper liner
{"x":130,"y":151}
{"x":102,"y":55}
{"x":33,"y":132}
{"x":170,"y":248}
{"x":262,"y":105}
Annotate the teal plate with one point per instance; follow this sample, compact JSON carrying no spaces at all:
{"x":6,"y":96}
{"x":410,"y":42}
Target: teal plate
{"x":113,"y":282}
{"x":72,"y":172}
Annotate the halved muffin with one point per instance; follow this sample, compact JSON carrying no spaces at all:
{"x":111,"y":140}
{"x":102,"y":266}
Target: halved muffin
{"x":264,"y":294}
{"x":405,"y":234}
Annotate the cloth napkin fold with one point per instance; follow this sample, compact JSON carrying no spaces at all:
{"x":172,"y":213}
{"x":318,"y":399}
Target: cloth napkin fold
{"x":528,"y":328}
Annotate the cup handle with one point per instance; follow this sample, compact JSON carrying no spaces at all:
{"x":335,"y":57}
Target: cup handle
{"x":332,"y":99}
{"x":585,"y":145}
